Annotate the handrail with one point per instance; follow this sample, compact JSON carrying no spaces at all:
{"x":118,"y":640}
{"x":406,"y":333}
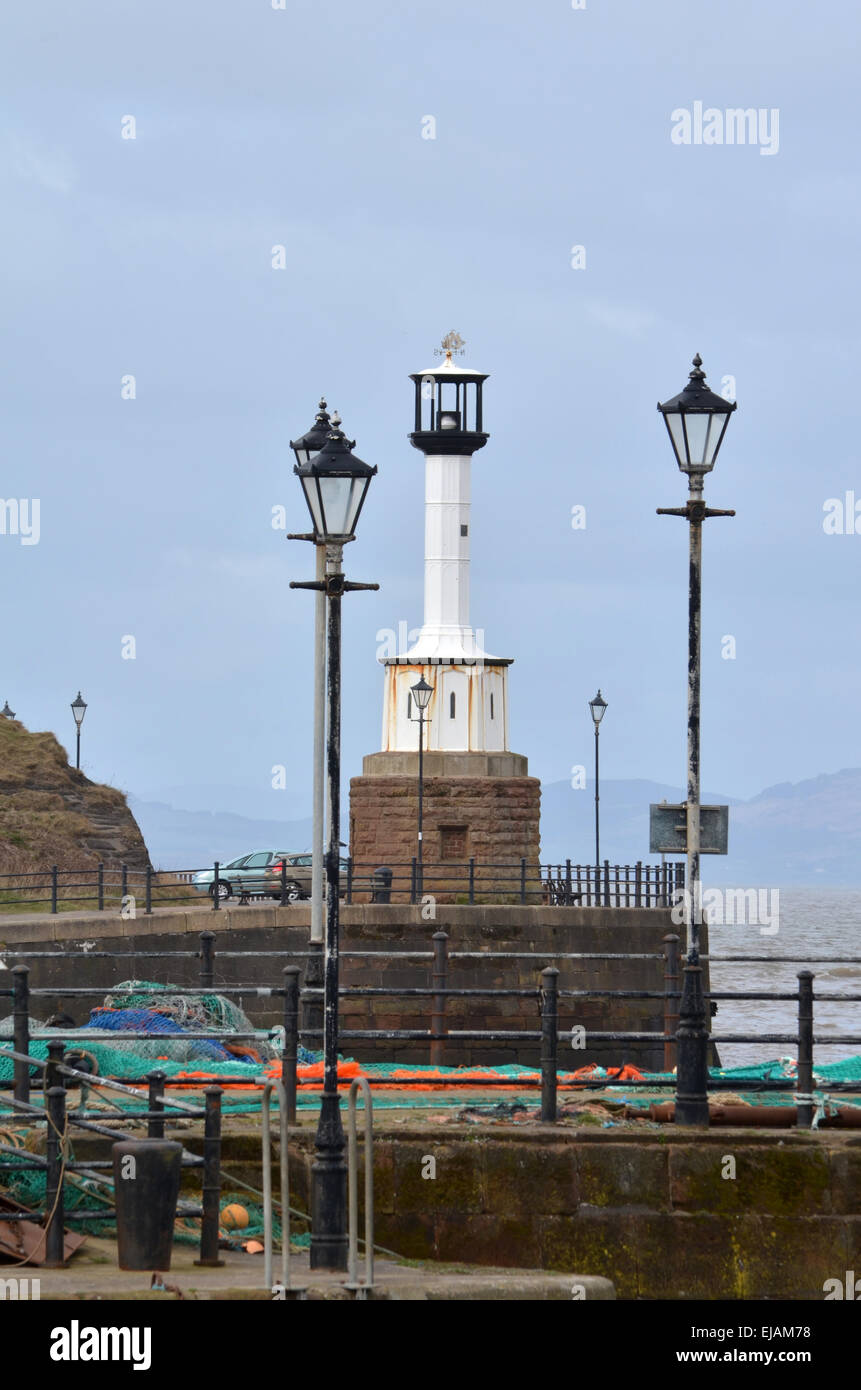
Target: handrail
{"x":360,"y":1290}
{"x":267,"y":1187}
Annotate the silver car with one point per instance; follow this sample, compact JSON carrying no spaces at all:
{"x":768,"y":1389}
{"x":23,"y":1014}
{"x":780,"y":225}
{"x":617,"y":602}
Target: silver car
{"x":298,"y":876}
{"x":244,"y":875}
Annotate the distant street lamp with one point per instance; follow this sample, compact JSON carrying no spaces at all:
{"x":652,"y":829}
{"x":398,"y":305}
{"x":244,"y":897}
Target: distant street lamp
{"x":79,"y":709}
{"x":696,"y":421}
{"x":335,"y":483}
{"x":6,"y":712}
{"x":597,"y":706}
{"x":421,"y":693}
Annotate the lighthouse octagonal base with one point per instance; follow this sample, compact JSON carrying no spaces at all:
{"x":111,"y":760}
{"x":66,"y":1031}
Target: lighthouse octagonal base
{"x":477,"y":806}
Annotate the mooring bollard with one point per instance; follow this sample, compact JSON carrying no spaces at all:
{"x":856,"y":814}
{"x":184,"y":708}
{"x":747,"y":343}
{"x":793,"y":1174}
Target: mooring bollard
{"x":207,"y":959}
{"x":211,"y":1179}
{"x":671,"y":1005}
{"x":382,"y":885}
{"x":54,"y":1206}
{"x":439,"y":981}
{"x":21,"y":1028}
{"x":290,"y":1054}
{"x":147,"y":1175}
{"x":155,"y":1126}
{"x":549,"y":1042}
{"x":804,"y":1094}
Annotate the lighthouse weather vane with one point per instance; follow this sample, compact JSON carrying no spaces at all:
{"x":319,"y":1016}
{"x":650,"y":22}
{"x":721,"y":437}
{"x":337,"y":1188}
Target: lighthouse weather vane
{"x":452,"y":345}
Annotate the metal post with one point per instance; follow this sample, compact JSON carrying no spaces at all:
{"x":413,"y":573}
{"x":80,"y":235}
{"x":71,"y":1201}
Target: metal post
{"x":361,"y":1290}
{"x":606,"y":883}
{"x":329,"y":1169}
{"x":216,"y":899}
{"x":549,"y":1042}
{"x":804,"y":1094}
{"x":78,"y":750}
{"x":211,"y":1179}
{"x":319,"y":755}
{"x":149,"y":890}
{"x":413,"y":879}
{"x":349,"y":880}
{"x":155,"y":1127}
{"x":54,"y":1212}
{"x":439,"y":981}
{"x":289,"y":1056}
{"x":692,"y":817}
{"x":567,"y":882}
{"x":671,"y":1005}
{"x":420,"y":864}
{"x":54,"y":885}
{"x":471,"y":880}
{"x":101,"y":888}
{"x":124,"y":887}
{"x":597,"y":826}
{"x":522,"y":879}
{"x":692,"y":1104}
{"x":207,"y":959}
{"x":52,"y":1076}
{"x":21,"y":1028}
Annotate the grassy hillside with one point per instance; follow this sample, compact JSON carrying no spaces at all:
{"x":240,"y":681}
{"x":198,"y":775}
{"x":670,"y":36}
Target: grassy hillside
{"x":52,"y":814}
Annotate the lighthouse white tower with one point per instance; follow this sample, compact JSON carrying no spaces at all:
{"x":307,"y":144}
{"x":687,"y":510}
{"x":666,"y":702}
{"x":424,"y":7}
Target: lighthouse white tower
{"x":468,"y":711}
{"x":480,"y":804}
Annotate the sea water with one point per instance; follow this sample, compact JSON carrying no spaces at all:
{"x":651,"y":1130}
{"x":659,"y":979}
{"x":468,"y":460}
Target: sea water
{"x":812,"y":923}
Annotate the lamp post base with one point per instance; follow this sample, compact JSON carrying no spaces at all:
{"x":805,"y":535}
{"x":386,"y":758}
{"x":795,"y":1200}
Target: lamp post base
{"x":692,"y":1102}
{"x":329,"y":1189}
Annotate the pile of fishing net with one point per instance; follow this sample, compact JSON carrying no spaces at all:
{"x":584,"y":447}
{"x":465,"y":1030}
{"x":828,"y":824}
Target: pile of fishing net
{"x":179,"y":1024}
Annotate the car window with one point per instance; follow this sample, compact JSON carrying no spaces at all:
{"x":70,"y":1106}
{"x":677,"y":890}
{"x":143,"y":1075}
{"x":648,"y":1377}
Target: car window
{"x":345,"y":864}
{"x":258,"y":861}
{"x":303,"y":860}
{"x":236,"y":863}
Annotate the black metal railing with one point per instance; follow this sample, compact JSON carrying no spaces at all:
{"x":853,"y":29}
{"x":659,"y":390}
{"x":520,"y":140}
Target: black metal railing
{"x":62,"y":1171}
{"x":116,"y":887}
{"x":439,"y":1036}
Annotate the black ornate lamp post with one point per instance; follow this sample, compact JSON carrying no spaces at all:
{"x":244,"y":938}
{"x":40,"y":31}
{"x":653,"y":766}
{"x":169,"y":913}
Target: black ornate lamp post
{"x":597,"y":706}
{"x":421,"y":693}
{"x":304,"y":448}
{"x":696,"y":422}
{"x":79,"y":709}
{"x":335,"y":483}
{"x":6,"y":712}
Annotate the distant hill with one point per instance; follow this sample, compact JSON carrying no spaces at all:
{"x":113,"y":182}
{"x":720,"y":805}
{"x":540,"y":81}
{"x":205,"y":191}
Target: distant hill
{"x":193,"y":839}
{"x":793,"y":833}
{"x":50,"y":813}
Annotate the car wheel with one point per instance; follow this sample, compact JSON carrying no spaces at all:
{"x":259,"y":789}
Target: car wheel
{"x":224,"y":890}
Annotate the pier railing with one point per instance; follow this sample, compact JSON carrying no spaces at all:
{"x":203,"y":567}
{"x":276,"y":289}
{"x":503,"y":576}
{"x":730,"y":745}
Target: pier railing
{"x":111,"y":887}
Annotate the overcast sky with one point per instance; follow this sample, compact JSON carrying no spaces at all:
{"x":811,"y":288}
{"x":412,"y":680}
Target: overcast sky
{"x":303,"y":127}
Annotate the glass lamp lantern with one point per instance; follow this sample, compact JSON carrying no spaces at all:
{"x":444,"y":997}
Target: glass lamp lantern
{"x":696,"y":421}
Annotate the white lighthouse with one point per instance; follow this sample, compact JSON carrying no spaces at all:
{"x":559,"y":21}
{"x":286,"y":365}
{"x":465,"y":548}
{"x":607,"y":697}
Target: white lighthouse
{"x":480,"y":804}
{"x":468,"y":711}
